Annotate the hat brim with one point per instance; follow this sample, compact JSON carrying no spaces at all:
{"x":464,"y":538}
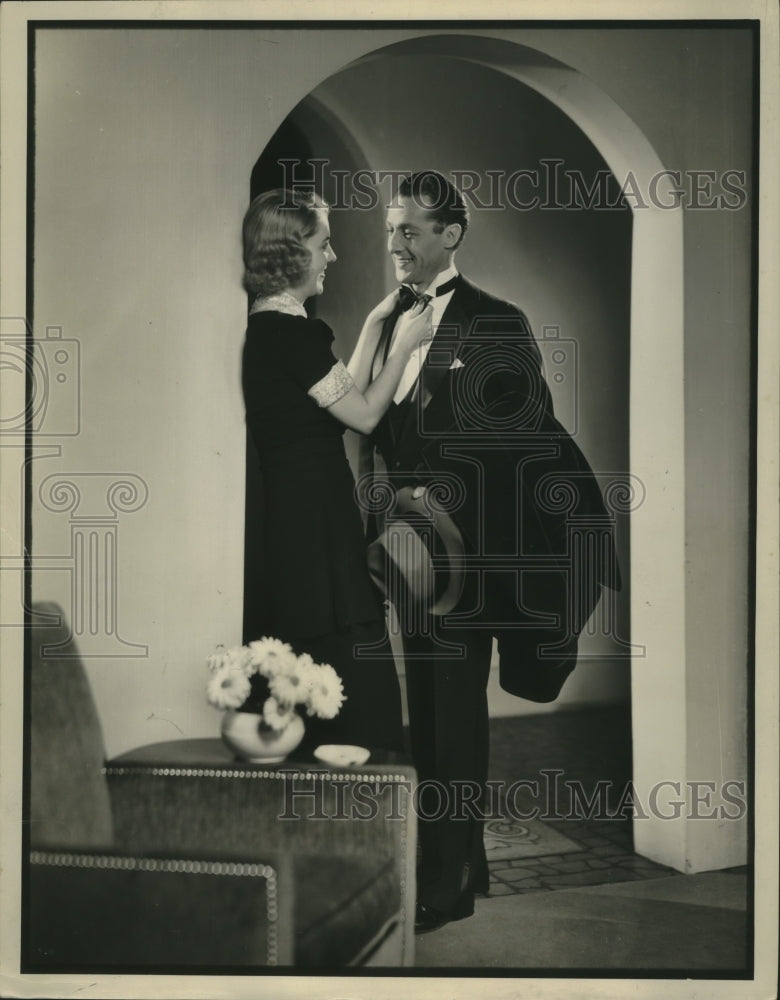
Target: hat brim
{"x":400,"y":560}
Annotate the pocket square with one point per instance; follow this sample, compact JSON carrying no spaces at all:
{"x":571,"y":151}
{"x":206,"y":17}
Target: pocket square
{"x":457,"y":363}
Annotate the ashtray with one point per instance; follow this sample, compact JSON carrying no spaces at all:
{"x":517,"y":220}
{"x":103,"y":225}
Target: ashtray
{"x":342,"y":754}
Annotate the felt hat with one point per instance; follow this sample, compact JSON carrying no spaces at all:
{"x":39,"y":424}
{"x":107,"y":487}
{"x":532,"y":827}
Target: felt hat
{"x":418,"y":556}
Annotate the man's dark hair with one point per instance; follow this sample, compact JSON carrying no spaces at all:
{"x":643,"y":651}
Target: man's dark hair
{"x":439,"y":197}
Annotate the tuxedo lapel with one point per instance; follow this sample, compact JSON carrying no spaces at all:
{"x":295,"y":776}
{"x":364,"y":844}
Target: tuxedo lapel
{"x":445,"y":348}
{"x":447,"y":342}
{"x":386,"y":433}
{"x":383,"y":346}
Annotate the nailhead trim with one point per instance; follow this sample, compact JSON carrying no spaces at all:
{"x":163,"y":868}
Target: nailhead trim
{"x":119,"y":770}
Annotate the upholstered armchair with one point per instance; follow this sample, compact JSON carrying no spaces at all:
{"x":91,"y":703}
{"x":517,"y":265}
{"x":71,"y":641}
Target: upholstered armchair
{"x":140,"y":864}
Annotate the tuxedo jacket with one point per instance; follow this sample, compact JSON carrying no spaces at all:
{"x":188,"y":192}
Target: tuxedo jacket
{"x":479,"y":430}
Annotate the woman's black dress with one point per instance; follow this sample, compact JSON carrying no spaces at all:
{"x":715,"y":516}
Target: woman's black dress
{"x":316,"y":593}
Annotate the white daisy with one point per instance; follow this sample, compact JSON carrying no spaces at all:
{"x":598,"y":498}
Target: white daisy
{"x":309,"y":672}
{"x":291,"y":688}
{"x":327,"y":692}
{"x":271,"y":657}
{"x":228,"y":688}
{"x":277,"y":716}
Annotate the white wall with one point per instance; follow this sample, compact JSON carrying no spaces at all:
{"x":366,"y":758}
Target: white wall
{"x":144,"y":145}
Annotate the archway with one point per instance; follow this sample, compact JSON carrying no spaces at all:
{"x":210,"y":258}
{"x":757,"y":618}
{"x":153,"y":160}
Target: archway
{"x":655,"y":444}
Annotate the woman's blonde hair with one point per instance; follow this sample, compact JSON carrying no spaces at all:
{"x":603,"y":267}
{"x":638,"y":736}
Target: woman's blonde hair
{"x":275,"y":227}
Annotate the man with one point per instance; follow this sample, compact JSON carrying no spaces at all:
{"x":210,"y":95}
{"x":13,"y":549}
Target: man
{"x":471,"y":410}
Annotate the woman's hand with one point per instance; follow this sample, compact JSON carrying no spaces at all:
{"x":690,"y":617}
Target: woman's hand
{"x":365,"y":403}
{"x":416,"y":327}
{"x":384,"y":308}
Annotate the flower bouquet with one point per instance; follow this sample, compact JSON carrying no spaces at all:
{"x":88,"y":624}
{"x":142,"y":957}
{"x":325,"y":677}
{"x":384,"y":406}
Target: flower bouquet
{"x":264,"y":686}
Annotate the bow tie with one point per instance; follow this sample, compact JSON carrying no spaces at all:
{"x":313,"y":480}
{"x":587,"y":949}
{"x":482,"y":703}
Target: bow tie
{"x":409,"y":298}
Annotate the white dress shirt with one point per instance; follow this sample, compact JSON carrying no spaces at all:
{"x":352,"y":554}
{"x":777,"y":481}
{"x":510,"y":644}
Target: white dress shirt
{"x":438,"y":303}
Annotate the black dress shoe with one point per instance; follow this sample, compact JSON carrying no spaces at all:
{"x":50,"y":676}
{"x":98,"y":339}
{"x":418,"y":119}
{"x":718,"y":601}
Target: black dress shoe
{"x":427,"y":918}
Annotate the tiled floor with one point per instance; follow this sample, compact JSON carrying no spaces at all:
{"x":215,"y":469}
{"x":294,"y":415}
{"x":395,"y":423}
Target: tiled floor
{"x":605,"y":857}
{"x":587,"y":747}
{"x":566,"y":914}
{"x":584,"y":746}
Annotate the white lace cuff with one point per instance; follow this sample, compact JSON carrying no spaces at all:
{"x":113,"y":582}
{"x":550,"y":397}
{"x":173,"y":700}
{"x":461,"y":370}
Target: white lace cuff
{"x":333,"y":386}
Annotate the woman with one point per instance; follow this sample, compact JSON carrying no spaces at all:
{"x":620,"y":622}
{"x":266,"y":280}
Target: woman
{"x":317,"y":594}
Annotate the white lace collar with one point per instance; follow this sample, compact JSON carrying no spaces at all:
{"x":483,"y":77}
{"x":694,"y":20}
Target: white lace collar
{"x":282,"y":302}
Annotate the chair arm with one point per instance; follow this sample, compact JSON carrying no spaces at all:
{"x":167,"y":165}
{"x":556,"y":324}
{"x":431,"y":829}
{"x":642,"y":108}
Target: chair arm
{"x":243,"y":812}
{"x":116,"y":911}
